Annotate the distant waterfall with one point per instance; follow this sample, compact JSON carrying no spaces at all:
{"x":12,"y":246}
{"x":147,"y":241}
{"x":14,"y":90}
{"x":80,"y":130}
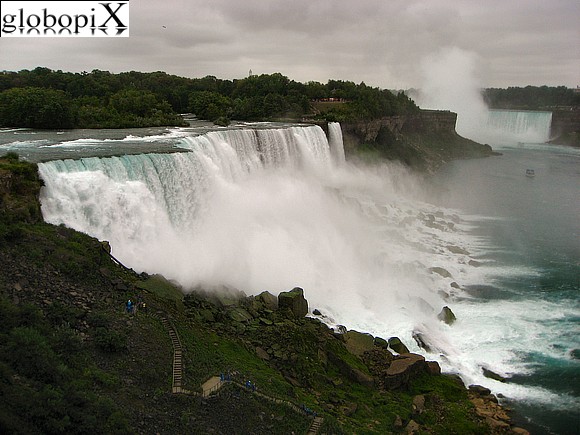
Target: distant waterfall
{"x":520,"y":126}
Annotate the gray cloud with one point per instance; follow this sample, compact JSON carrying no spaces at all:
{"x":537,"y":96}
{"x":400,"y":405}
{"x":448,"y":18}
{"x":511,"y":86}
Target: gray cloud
{"x":380,"y":42}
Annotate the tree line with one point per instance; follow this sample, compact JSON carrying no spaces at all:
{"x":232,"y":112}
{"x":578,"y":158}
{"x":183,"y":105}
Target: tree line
{"x":532,"y":98}
{"x":43,"y":98}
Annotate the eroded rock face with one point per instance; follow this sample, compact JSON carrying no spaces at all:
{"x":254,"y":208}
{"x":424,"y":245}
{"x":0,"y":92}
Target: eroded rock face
{"x":294,"y":301}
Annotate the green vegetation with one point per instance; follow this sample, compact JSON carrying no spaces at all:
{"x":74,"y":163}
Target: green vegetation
{"x":532,"y":98}
{"x":43,"y":98}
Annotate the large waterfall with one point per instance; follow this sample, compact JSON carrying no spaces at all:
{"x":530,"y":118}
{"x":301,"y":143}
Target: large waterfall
{"x":524,"y":126}
{"x":270,"y":209}
{"x":267,"y":209}
{"x":506,"y":127}
{"x":261,"y":208}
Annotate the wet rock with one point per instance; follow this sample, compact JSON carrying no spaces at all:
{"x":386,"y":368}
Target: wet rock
{"x":441,"y":271}
{"x":294,"y":301}
{"x":447,"y":316}
{"x":358,"y":343}
{"x":340,"y":329}
{"x":317,"y":312}
{"x":397,"y":345}
{"x":455,"y":285}
{"x":381,"y":342}
{"x":457,"y":250}
{"x":474,"y":263}
{"x":421,"y":341}
{"x":269,"y":300}
{"x":433,"y":368}
{"x":493,"y":375}
{"x":403,"y":369}
{"x":479,"y":390}
{"x":575,"y":353}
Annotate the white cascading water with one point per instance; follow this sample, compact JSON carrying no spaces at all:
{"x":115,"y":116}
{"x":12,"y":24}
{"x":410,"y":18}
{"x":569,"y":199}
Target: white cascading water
{"x":505,"y":126}
{"x":271,"y":209}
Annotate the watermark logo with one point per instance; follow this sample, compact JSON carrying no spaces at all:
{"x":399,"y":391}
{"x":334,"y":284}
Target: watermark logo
{"x":101,"y":19}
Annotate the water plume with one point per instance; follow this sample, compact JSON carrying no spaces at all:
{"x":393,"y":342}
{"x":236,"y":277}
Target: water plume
{"x":451,"y":81}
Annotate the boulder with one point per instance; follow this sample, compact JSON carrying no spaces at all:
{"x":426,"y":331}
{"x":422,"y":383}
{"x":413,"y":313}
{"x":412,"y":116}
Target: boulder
{"x":421,"y":341}
{"x":269,"y":301}
{"x":294,"y":301}
{"x":575,"y":353}
{"x":447,"y":316}
{"x":349,"y":371}
{"x":358,"y":343}
{"x":493,"y":375}
{"x":262,"y":354}
{"x":403,"y":369}
{"x":238,"y":314}
{"x":441,"y":271}
{"x":412,"y":427}
{"x":418,"y":404}
{"x":381,"y":342}
{"x":479,"y":390}
{"x":397,"y":345}
{"x":433,"y":368}
{"x":457,"y":250}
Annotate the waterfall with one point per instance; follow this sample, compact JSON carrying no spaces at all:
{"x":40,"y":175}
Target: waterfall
{"x":141,"y":202}
{"x":335,"y":141}
{"x":519,"y":126}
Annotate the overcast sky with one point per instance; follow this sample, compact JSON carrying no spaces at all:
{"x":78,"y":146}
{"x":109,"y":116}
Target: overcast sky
{"x":386,"y":43}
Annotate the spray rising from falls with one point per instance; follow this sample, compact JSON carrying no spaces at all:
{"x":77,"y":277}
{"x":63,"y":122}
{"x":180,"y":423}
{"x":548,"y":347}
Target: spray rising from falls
{"x":264,"y":209}
{"x":451,"y":82}
{"x":270,"y":209}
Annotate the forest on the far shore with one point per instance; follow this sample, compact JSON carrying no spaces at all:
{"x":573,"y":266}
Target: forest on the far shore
{"x":47,"y":99}
{"x":43,"y":98}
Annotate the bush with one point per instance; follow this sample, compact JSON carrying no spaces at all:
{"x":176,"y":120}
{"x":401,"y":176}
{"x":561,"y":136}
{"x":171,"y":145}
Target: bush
{"x":109,"y":340}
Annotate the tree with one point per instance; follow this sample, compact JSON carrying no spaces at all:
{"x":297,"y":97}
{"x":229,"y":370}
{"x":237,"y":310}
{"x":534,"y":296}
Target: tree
{"x":35,"y":108}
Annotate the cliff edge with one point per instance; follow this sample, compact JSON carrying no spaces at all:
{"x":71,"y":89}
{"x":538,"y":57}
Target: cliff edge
{"x":423,"y":141}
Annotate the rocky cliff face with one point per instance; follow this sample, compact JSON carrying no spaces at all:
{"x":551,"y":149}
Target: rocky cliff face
{"x":566,"y":127}
{"x":424,"y":140}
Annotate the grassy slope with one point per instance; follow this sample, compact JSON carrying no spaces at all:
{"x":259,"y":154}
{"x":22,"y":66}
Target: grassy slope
{"x":72,"y":360}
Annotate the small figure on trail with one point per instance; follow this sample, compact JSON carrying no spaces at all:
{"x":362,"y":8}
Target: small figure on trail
{"x":129,"y":306}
